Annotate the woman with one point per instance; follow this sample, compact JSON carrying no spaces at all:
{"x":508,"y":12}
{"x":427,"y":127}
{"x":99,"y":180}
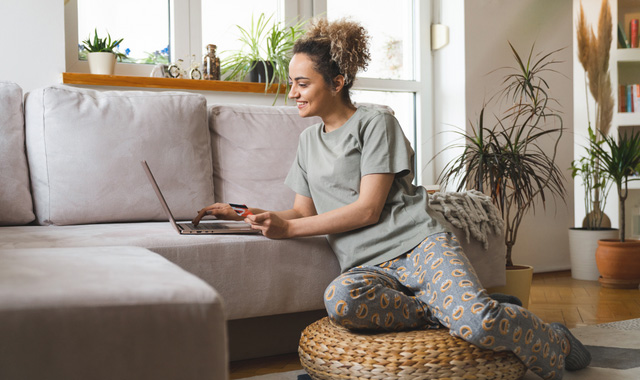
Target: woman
{"x":353,"y":181}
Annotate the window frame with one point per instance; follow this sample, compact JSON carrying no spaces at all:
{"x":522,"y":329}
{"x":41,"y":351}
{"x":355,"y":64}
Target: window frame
{"x":186,"y":38}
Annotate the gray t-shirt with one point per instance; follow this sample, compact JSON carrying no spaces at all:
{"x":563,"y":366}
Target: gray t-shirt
{"x":328,"y":169}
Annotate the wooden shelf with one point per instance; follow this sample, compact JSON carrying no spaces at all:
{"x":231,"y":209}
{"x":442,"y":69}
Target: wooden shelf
{"x":169,"y":83}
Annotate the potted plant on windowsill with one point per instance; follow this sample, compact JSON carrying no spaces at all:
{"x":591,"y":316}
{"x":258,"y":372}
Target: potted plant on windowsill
{"x":506,"y":160}
{"x":619,"y":260}
{"x":593,"y":54}
{"x":265,"y":53}
{"x":102,"y":53}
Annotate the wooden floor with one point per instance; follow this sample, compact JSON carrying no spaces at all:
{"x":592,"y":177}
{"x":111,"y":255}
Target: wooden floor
{"x":555,"y":297}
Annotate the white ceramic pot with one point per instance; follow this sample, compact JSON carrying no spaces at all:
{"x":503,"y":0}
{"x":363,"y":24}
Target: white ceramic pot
{"x":102,"y":63}
{"x":582,"y":251}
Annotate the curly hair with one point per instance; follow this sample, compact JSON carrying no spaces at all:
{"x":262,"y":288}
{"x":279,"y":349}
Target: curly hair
{"x":336,"y":48}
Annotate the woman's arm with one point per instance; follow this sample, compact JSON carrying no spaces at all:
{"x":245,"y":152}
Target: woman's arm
{"x":302,"y":207}
{"x":366,"y":210}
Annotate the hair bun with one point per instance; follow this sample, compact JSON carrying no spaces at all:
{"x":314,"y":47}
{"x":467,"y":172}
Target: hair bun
{"x":349,"y":44}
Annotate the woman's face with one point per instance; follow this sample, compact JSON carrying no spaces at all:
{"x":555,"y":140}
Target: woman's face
{"x":312,"y":94}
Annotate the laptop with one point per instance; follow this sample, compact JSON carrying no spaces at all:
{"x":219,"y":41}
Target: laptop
{"x":214,"y":227}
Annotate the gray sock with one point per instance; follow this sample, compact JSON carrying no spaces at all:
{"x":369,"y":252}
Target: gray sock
{"x":579,"y":357}
{"x":506,"y":298}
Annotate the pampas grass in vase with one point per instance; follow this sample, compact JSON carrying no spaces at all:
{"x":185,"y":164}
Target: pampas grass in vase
{"x":593,"y":54}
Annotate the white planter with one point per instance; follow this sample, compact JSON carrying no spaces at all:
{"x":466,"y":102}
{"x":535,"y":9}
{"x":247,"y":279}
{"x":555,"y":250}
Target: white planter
{"x":102,"y":63}
{"x":582,"y":251}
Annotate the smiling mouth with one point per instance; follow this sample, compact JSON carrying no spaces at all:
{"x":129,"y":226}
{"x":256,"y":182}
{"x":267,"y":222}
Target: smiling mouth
{"x":301,"y":104}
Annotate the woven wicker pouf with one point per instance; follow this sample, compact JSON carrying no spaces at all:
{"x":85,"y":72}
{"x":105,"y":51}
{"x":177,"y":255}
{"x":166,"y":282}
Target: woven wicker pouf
{"x":328,"y":351}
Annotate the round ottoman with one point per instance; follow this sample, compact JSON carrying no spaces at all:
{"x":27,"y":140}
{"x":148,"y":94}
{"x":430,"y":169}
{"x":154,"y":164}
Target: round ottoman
{"x":328,"y":351}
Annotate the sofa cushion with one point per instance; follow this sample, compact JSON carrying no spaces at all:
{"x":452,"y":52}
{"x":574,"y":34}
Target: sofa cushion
{"x":16,"y":206}
{"x":254,"y":275}
{"x":107,"y":313}
{"x":85,"y":148}
{"x":253,"y":148}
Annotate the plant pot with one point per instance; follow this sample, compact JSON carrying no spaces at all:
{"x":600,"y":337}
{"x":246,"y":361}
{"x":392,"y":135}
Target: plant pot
{"x":619,"y":263}
{"x":102,"y":63}
{"x":258,"y":73}
{"x":518,"y":283}
{"x":582,"y":251}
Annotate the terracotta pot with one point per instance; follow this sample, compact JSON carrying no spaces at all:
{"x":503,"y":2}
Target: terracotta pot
{"x":518,"y":283}
{"x":619,"y":263}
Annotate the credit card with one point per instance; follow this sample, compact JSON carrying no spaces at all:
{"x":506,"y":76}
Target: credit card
{"x":241,"y":210}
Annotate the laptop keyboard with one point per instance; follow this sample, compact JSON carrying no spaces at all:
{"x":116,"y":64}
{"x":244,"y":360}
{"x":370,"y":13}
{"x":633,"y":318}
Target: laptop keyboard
{"x":205,"y":226}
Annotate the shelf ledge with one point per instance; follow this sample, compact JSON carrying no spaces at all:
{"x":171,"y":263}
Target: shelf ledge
{"x":169,"y":83}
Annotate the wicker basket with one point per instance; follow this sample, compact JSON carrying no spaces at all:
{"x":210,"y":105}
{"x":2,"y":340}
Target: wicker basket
{"x":328,"y":352}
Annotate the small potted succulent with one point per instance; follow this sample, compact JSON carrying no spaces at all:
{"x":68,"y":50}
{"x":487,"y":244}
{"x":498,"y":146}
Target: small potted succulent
{"x":102,"y":53}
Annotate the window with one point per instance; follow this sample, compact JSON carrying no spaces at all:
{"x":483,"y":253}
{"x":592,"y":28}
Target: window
{"x":391,"y":31}
{"x":222,"y":31}
{"x":144,"y":25}
{"x":399,"y":74}
{"x":402,"y":104}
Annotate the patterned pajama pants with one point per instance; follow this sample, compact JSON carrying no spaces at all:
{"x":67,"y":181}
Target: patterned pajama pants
{"x":435,"y":285}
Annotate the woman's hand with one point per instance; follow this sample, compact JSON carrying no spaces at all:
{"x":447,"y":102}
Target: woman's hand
{"x":270,"y":224}
{"x":219,"y":210}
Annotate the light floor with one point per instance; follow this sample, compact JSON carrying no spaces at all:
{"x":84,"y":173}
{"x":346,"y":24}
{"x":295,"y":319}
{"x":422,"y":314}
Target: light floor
{"x":555,"y":297}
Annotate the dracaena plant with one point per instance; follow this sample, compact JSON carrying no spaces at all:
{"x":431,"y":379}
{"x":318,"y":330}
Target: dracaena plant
{"x":263,"y":45}
{"x":506,"y":159}
{"x":103,"y":45}
{"x":620,"y":160}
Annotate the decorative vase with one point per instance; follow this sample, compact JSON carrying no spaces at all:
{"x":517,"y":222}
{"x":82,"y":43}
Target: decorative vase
{"x":102,"y":63}
{"x":619,"y":263}
{"x":582,"y":251}
{"x":211,"y":64}
{"x":596,"y":218}
{"x":518,"y":283}
{"x":258,"y":73}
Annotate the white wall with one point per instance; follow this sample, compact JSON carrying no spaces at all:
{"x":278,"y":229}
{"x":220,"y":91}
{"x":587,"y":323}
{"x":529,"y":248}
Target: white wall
{"x":449,"y":84}
{"x":31,"y":42}
{"x":488,"y":26}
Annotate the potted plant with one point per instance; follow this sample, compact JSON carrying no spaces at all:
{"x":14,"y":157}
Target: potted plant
{"x":583,"y":241}
{"x":619,"y":259}
{"x":593,"y":54}
{"x":506,"y":160}
{"x":265,"y":53}
{"x":102,"y":53}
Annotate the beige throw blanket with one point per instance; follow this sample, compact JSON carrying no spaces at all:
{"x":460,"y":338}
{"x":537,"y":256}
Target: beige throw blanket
{"x":471,"y":211}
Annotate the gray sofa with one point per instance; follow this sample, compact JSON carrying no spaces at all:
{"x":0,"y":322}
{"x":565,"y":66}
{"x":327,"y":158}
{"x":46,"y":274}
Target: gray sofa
{"x":71,"y":179}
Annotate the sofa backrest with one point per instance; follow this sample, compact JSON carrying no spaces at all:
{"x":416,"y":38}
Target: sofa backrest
{"x":85,"y":147}
{"x":16,"y":205}
{"x":253,"y":148}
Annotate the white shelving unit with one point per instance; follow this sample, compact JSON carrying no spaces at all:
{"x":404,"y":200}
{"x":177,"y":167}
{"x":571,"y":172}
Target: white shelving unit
{"x":624,"y":66}
{"x":625,"y":69}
